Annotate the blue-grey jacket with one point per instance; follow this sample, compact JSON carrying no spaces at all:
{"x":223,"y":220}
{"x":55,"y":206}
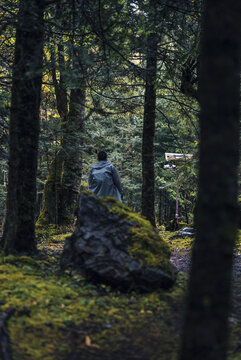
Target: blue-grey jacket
{"x":104,"y":180}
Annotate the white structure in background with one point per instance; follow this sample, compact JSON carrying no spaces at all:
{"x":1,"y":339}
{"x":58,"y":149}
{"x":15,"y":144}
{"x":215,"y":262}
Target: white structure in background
{"x":167,"y":166}
{"x":5,"y":178}
{"x":176,"y":157}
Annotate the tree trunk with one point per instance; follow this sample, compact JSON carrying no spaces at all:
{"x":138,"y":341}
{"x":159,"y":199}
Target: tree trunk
{"x":62,"y":186}
{"x":148,"y":193}
{"x":52,"y":192}
{"x":52,"y":187}
{"x":19,"y":228}
{"x":205,"y":333}
{"x":72,"y":167}
{"x":160,"y":207}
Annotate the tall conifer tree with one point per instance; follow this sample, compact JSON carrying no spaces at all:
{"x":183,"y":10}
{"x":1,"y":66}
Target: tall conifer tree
{"x":19,"y":229}
{"x":205,"y":333}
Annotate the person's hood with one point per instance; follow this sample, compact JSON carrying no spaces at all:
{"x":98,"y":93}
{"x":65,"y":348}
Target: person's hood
{"x":100,"y":164}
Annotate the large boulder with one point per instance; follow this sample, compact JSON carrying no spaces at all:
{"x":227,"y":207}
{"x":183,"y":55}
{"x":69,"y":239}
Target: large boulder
{"x":114,"y":246}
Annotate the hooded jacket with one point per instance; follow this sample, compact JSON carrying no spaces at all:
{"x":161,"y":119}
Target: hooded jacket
{"x":104,"y":180}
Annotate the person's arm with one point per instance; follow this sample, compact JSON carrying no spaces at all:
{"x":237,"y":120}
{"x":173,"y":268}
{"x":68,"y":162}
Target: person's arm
{"x":117,"y":180}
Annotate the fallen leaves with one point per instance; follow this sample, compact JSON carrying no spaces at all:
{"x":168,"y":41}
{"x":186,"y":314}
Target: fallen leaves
{"x":89,"y":343}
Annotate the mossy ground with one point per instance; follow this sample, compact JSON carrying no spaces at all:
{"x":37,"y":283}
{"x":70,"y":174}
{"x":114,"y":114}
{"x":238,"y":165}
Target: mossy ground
{"x":183,"y":246}
{"x":60,"y":316}
{"x":186,"y":243}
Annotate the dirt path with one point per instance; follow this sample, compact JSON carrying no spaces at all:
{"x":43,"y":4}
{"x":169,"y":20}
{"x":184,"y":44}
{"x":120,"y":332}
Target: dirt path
{"x":182,"y":261}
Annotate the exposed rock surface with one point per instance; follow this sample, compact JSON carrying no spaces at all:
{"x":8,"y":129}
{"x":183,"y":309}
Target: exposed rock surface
{"x":186,"y":232}
{"x":114,"y":246}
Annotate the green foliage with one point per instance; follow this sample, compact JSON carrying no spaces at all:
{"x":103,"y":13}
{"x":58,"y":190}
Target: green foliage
{"x":3,"y":194}
{"x":114,"y":34}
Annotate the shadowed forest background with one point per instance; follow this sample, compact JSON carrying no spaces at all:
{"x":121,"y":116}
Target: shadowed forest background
{"x":137,"y":79}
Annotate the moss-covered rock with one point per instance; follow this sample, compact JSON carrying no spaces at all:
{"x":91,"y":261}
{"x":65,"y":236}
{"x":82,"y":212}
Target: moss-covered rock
{"x":113,"y":245}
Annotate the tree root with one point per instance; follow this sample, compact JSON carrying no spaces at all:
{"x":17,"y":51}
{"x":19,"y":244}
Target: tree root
{"x":5,"y":348}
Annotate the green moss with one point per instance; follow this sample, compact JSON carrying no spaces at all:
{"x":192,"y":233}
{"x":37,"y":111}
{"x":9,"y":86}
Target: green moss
{"x":178,"y":243}
{"x":52,"y":192}
{"x":57,"y":312}
{"x":52,"y":233}
{"x":84,"y":186}
{"x":186,"y":243}
{"x":146,"y":245}
{"x":43,"y":218}
{"x":238,"y":242}
{"x":86,"y":191}
{"x":51,"y":240}
{"x":47,"y":215}
{"x":125,"y":212}
{"x":54,"y":314}
{"x":149,"y":248}
{"x":173,"y":225}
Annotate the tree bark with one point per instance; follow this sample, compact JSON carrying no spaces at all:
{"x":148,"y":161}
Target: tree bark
{"x":62,"y":186}
{"x":205,"y":334}
{"x":72,"y":166}
{"x":53,"y":185}
{"x":19,"y":228}
{"x":148,"y":176}
{"x":5,"y":346}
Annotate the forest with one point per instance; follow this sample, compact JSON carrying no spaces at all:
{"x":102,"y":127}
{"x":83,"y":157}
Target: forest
{"x":156,"y":85}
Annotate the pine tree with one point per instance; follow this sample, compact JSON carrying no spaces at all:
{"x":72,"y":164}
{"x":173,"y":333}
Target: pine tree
{"x":205,"y":333}
{"x":19,"y":228}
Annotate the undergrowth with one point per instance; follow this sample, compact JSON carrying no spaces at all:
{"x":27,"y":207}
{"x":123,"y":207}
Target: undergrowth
{"x":183,"y":244}
{"x":58,"y":315}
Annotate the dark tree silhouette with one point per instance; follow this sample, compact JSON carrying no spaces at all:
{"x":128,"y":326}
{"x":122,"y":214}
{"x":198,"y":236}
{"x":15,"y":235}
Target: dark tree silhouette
{"x":205,"y":334}
{"x":19,"y":228}
{"x":148,"y":176}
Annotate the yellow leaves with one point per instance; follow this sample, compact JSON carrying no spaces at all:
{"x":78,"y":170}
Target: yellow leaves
{"x":113,"y":311}
{"x":89,"y":343}
{"x":56,"y":246}
{"x":46,"y":80}
{"x":49,"y":347}
{"x":142,"y":311}
{"x":45,"y":88}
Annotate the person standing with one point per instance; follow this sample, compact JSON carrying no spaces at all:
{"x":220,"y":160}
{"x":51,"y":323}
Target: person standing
{"x":104,"y":179}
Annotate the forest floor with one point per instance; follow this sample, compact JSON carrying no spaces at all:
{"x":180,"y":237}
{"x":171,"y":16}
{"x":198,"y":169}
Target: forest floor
{"x":58,"y":316}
